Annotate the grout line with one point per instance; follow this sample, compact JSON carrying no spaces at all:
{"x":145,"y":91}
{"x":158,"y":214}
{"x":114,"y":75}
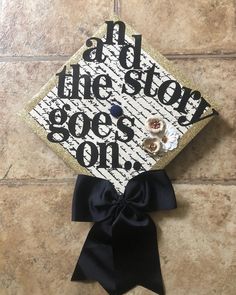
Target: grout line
{"x":33,"y":181}
{"x":201,"y":55}
{"x":23,"y":182}
{"x":205,"y":181}
{"x":116,"y":8}
{"x":27,"y":58}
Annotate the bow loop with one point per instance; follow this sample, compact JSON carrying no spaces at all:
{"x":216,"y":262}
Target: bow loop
{"x":92,"y":200}
{"x":151,"y":191}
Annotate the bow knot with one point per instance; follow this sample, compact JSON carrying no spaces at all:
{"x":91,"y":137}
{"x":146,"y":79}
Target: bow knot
{"x":120,"y":203}
{"x":121,"y":251}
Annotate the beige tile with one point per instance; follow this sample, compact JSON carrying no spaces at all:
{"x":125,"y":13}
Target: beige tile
{"x":197,"y":241}
{"x":40,"y":245}
{"x":60,"y":27}
{"x":211,"y":155}
{"x":180,"y":27}
{"x":39,"y":27}
{"x":22,"y":152}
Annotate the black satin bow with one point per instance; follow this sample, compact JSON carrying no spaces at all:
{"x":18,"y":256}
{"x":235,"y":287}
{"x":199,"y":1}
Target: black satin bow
{"x":121,"y":250}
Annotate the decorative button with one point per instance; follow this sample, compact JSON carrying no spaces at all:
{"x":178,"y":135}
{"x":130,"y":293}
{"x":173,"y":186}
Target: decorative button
{"x":116,"y":111}
{"x":152,"y":145}
{"x":155,"y":125}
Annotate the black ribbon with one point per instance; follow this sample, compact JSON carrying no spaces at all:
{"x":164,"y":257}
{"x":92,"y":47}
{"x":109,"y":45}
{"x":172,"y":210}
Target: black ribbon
{"x":121,"y":250}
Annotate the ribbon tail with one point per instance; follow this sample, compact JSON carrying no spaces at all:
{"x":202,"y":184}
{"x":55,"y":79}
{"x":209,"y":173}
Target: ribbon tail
{"x":136,"y":258}
{"x":96,"y":259}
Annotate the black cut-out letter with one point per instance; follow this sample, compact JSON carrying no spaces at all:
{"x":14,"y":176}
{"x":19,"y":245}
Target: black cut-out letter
{"x":110,"y":32}
{"x":58,"y":117}
{"x":132,"y":82}
{"x":128,"y":131}
{"x":114,"y":155}
{"x":93,"y":152}
{"x":149,"y":82}
{"x":96,"y":51}
{"x":197,"y":116}
{"x":136,"y":53}
{"x":168,"y":95}
{"x":97,"y":122}
{"x":98,"y":84}
{"x":73,"y":122}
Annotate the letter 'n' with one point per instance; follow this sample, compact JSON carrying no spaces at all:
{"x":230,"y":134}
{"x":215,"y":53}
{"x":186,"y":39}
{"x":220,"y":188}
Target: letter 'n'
{"x":110,"y":32}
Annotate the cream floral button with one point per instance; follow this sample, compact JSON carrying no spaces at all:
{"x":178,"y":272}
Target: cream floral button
{"x":152,"y":145}
{"x":163,"y":136}
{"x":155,"y":125}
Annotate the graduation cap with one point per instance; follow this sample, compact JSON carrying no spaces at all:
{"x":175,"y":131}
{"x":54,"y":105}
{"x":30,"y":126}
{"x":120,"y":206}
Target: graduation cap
{"x":114,"y":111}
{"x":118,"y":107}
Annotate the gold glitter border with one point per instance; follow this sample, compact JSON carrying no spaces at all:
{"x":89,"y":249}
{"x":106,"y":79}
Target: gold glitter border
{"x":165,"y":63}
